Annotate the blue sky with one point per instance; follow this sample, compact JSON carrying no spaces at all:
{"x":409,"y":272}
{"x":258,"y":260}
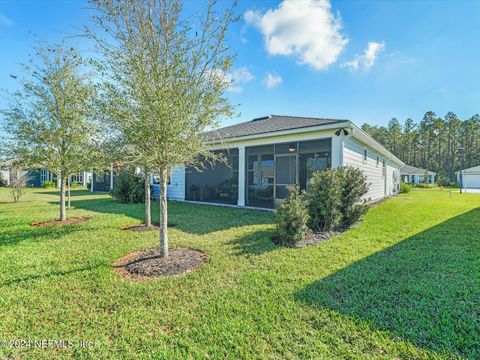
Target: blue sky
{"x":312,"y":58}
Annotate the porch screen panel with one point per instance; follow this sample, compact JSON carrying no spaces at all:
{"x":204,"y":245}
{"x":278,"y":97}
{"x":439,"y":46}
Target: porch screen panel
{"x":313,"y":156}
{"x":217,"y":183}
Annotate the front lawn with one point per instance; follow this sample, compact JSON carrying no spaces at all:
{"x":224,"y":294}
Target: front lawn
{"x":404,"y":284}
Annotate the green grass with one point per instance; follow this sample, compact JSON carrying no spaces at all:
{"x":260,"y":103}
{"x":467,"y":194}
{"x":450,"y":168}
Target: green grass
{"x":404,"y":284}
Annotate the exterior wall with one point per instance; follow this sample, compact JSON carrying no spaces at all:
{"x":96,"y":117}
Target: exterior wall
{"x":353,"y":156}
{"x":380,"y":185}
{"x":176,"y":189}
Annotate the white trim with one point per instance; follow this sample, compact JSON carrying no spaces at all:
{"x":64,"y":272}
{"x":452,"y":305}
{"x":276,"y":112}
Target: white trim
{"x":241,"y":176}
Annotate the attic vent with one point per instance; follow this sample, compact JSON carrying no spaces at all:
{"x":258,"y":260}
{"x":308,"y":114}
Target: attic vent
{"x":262,"y":118}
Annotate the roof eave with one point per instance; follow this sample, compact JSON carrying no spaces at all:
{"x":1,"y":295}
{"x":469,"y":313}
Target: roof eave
{"x":305,"y":129}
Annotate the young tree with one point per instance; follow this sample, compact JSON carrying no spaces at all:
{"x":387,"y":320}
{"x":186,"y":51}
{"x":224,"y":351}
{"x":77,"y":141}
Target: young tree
{"x":17,"y":184}
{"x":168,"y":77}
{"x":49,"y":120}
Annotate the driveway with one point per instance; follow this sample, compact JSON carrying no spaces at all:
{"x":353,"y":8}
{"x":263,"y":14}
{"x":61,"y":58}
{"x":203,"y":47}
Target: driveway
{"x":471,"y":191}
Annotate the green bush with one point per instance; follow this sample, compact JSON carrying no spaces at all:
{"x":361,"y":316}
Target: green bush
{"x":405,"y":188}
{"x":129,"y":188}
{"x":354,"y":186}
{"x":74,"y":184}
{"x":3,"y":182}
{"x":423,"y":186}
{"x":443,"y":179}
{"x":49,"y":184}
{"x":292,"y":218}
{"x":325,"y":199}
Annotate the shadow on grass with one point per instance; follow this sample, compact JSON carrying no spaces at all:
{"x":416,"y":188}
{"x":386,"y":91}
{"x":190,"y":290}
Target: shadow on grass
{"x":192,"y":218}
{"x":26,"y":278}
{"x":73,"y":192}
{"x":425,"y":290}
{"x":34,"y":234}
{"x":255,"y":243}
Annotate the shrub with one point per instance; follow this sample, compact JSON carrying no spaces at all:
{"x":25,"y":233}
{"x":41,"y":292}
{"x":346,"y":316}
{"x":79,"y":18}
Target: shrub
{"x":324,"y":198}
{"x":74,"y":184}
{"x":3,"y":182}
{"x":129,"y":188}
{"x":423,"y":186}
{"x":354,"y":186}
{"x":48,"y":184}
{"x":405,"y":188}
{"x":292,"y":218}
{"x":443,"y":179}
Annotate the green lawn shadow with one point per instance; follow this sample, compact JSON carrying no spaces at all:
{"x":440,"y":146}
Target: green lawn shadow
{"x":192,"y":218}
{"x":425,"y":290}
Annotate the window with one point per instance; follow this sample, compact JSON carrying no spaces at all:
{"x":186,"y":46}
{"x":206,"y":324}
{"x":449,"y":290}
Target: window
{"x":378,"y":161}
{"x":44,"y":175}
{"x":365,"y":155}
{"x":156,"y":179}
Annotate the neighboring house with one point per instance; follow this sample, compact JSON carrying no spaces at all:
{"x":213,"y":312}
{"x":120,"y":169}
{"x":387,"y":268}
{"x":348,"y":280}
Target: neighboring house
{"x":5,"y":171}
{"x":413,"y":175}
{"x":102,"y":180}
{"x":265,"y":155}
{"x":37,"y":177}
{"x":471,"y":178}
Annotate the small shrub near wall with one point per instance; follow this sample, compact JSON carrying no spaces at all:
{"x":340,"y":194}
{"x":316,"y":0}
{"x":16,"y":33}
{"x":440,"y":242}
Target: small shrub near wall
{"x":354,"y":187}
{"x":48,"y":184}
{"x":335,"y":201}
{"x":324,"y":200}
{"x":405,"y":188}
{"x":292,"y":218}
{"x":129,"y":188}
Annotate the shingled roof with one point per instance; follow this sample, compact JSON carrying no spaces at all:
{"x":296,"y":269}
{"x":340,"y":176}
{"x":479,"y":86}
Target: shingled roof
{"x":412,"y":170}
{"x":266,"y":125}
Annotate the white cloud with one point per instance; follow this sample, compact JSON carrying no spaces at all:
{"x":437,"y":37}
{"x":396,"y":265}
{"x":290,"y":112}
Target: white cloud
{"x":4,"y":20}
{"x":306,"y":29}
{"x":237,"y":79}
{"x":272,"y":80}
{"x":367,"y":59}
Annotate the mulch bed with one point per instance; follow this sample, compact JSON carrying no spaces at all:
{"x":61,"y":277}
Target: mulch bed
{"x":69,"y":221}
{"x":316,"y":238}
{"x":147,"y":264}
{"x":142,"y":227}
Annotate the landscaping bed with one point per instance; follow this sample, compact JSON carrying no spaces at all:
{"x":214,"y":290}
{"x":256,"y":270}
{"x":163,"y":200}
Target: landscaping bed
{"x":68,"y":221}
{"x":148,"y":263}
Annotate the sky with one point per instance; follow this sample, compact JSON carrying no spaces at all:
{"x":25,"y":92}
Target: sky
{"x":366,"y":61}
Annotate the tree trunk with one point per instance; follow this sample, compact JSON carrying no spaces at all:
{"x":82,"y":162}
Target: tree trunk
{"x":148,"y":212}
{"x":163,"y":215}
{"x":63,"y":216}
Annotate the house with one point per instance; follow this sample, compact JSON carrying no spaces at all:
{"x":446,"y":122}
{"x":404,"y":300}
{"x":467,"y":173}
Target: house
{"x":265,"y":155}
{"x":413,"y":175}
{"x":37,"y":177}
{"x":103,"y":180}
{"x":471,"y":178}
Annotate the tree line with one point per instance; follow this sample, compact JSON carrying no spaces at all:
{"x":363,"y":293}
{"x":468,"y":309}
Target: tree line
{"x":433,"y":143}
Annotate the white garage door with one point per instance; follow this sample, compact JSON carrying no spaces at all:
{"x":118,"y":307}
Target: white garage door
{"x":472,"y":181}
